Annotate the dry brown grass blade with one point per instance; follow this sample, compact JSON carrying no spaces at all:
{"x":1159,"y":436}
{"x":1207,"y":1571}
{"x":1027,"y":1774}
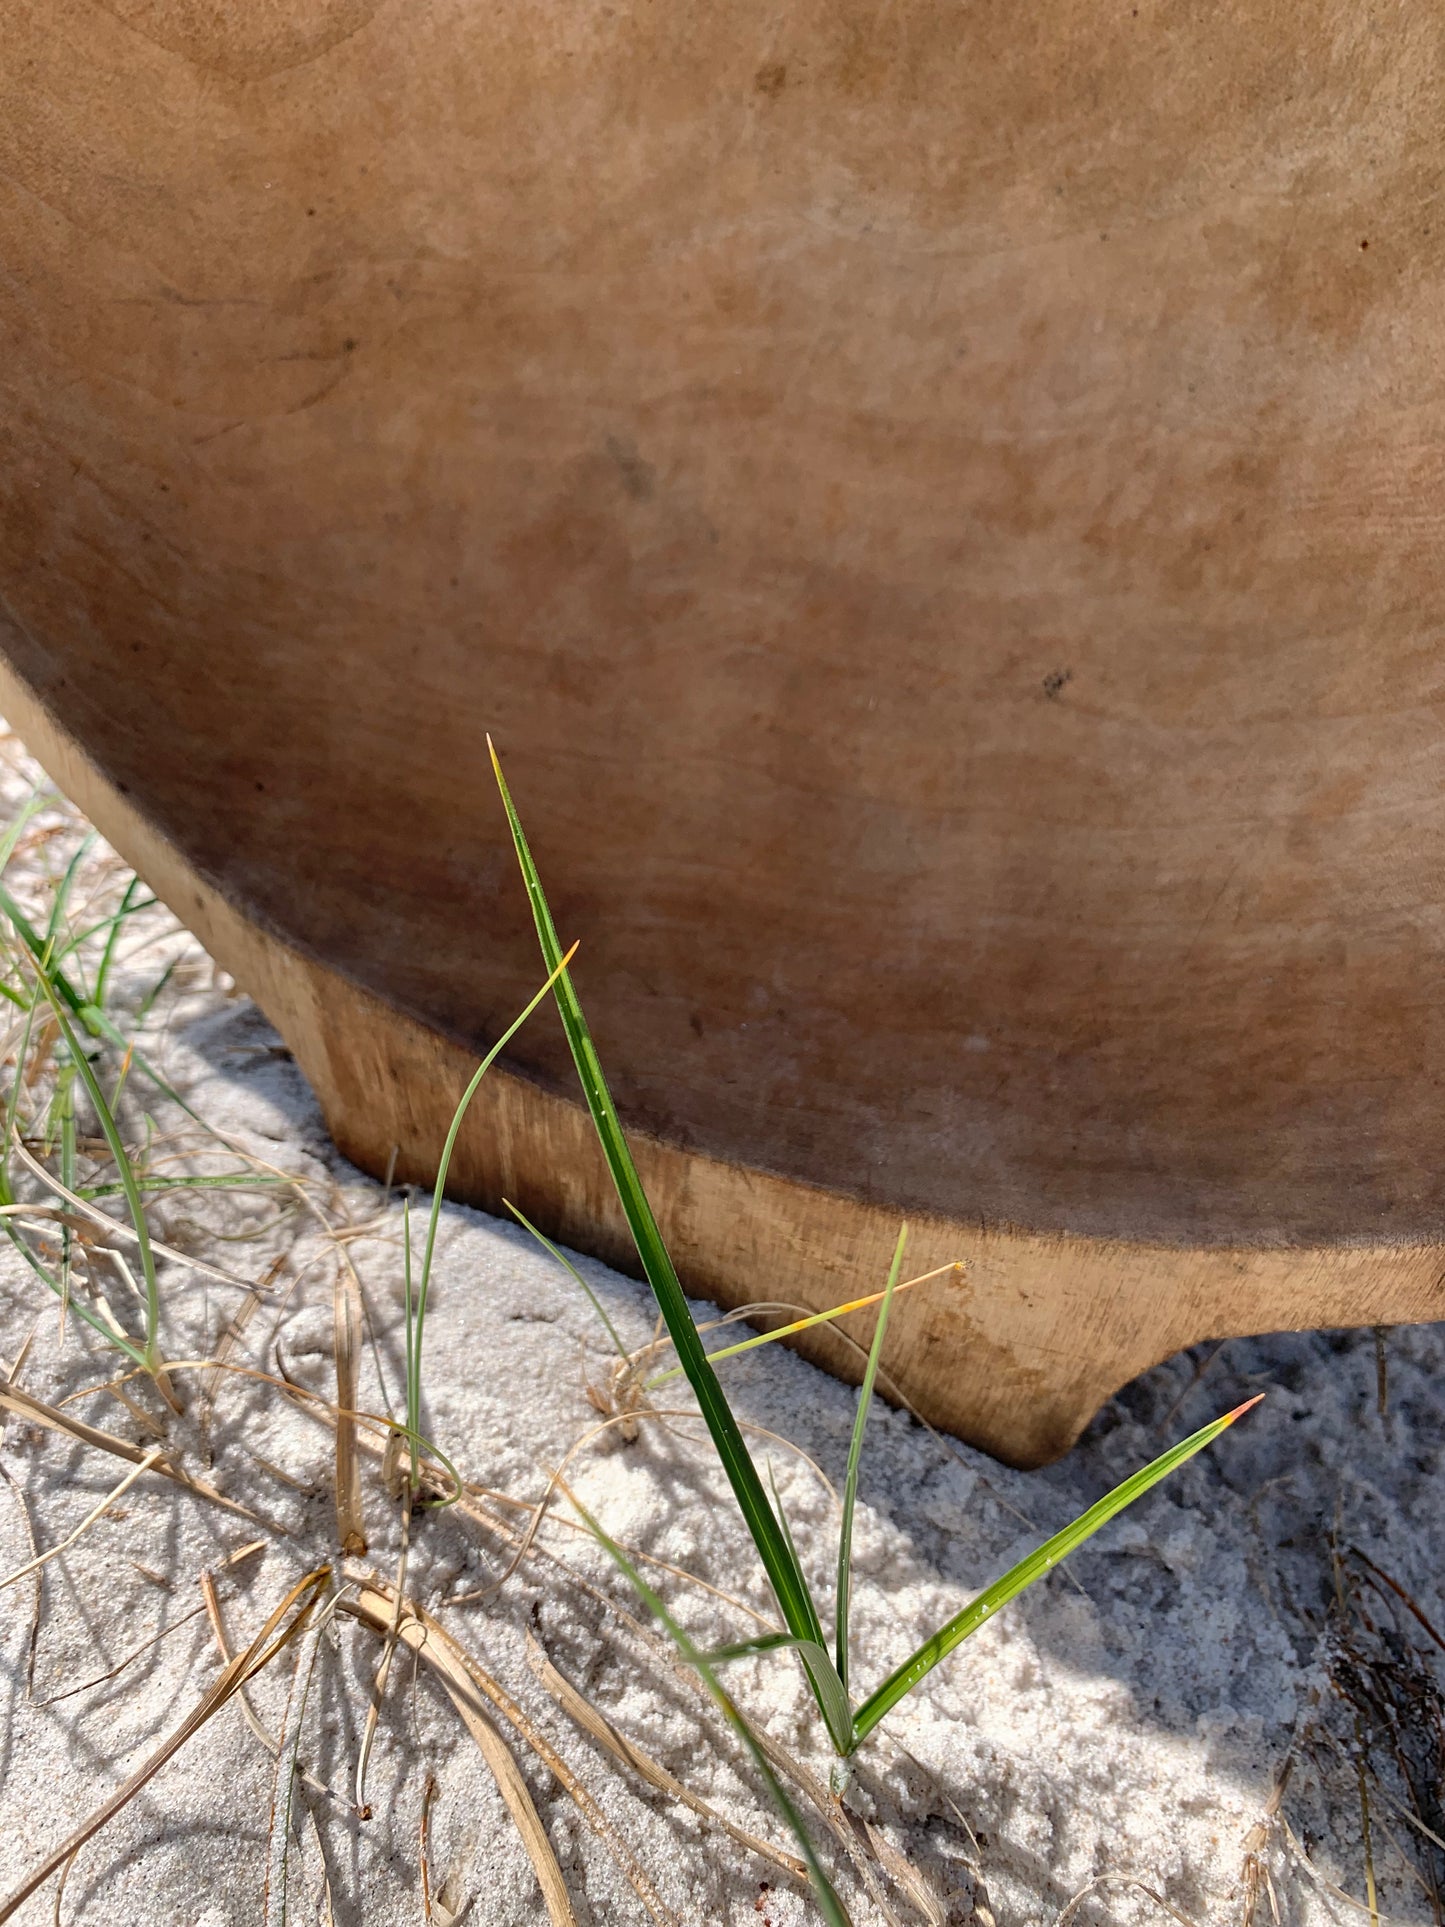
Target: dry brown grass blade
{"x":346,"y":1312}
{"x":383,"y":1670}
{"x":1325,"y":1885}
{"x":437,"y":1485}
{"x":1103,"y":1880}
{"x":587,"y":1716}
{"x":906,"y":1877}
{"x":145,"y":1465}
{"x":289,"y":1777}
{"x":92,"y":1214}
{"x":218,"y":1633}
{"x":375,"y":1609}
{"x":428,"y":1794}
{"x":234,"y":1331}
{"x":25,"y":1406}
{"x":830,"y":1810}
{"x":100,"y":1679}
{"x":553,"y":1761}
{"x":556,"y":1483}
{"x":273,"y":1637}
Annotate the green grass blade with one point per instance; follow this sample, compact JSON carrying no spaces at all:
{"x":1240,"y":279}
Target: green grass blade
{"x":906,"y":1677}
{"x":65,"y":1096}
{"x":416,"y":1300}
{"x":556,"y":967}
{"x":72,"y":944}
{"x":77,"y":1306}
{"x":64,"y":888}
{"x":12,"y":1108}
{"x":415,"y":1330}
{"x":33,"y":804}
{"x":107,"y":956}
{"x":855,"y":1454}
{"x":797,"y":1324}
{"x":831,"y":1907}
{"x":784,"y":1571}
{"x":131,"y":1190}
{"x":567,"y":1265}
{"x":832,"y":1699}
{"x":413,"y":1361}
{"x":143,"y":1009}
{"x":100,"y":1026}
{"x":828,"y":1690}
{"x":218,"y":1181}
{"x":95,"y":1020}
{"x":36,"y":945}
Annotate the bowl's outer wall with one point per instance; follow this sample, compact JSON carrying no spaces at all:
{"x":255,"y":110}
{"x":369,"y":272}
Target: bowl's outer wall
{"x":939,"y":506}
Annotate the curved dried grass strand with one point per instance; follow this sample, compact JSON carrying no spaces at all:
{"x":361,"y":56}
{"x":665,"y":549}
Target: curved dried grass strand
{"x":137,"y":1471}
{"x":288,"y":1773}
{"x":272,"y":1639}
{"x":35,"y":1409}
{"x":85,"y":1209}
{"x":1100,"y":1881}
{"x":378,"y":1609}
{"x":556,"y":1481}
{"x":592,"y":1721}
{"x":550,"y":1758}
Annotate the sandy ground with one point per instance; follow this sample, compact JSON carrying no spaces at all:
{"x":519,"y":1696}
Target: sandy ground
{"x":1129,"y":1719}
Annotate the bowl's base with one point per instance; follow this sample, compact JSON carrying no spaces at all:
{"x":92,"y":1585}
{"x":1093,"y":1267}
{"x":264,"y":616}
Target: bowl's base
{"x":1015,"y":1354}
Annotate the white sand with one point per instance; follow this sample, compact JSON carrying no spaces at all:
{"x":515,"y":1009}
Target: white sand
{"x":1125,"y":1719}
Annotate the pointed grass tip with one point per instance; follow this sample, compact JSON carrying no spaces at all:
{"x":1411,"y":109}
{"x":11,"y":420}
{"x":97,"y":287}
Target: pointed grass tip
{"x":1240,"y":1410}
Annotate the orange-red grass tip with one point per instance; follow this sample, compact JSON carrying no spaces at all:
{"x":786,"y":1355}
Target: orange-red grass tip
{"x":1240,"y":1410}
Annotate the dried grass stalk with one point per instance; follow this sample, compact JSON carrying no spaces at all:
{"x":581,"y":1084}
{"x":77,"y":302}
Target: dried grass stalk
{"x":346,"y":1310}
{"x":273,"y":1637}
{"x":592,"y":1721}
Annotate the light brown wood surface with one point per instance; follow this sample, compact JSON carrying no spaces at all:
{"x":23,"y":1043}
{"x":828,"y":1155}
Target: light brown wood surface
{"x":1016,"y":1356}
{"x":941,"y":509}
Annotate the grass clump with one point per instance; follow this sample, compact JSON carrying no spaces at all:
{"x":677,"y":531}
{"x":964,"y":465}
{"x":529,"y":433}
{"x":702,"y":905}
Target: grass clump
{"x":88,"y":1151}
{"x":848,"y":1723}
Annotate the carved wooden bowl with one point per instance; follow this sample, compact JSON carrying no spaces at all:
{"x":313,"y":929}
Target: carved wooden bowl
{"x":940,"y":509}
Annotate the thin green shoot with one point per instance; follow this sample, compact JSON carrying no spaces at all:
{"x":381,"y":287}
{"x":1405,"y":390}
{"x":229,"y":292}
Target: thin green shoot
{"x":108,"y":924}
{"x":33,"y":804}
{"x":417,"y":1313}
{"x":130,"y":1189}
{"x":413,"y":1363}
{"x":801,"y":1324}
{"x":95,"y":1019}
{"x":830,"y":1905}
{"x":1043,"y":1559}
{"x":855,"y":1453}
{"x":195,"y":1181}
{"x":107,"y":958}
{"x":65,"y":1097}
{"x":61,"y":899}
{"x":769,"y":1531}
{"x":568,"y":1266}
{"x":785,"y":1573}
{"x":143,"y":1009}
{"x":12,"y":1114}
{"x":38,"y":948}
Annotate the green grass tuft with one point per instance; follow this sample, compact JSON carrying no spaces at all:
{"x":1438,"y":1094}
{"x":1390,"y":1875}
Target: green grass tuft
{"x":847,"y":1726}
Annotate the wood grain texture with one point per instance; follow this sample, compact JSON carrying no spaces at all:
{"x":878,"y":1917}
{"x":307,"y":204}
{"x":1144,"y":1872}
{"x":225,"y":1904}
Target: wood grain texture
{"x":941,"y":511}
{"x":1016,"y":1357}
